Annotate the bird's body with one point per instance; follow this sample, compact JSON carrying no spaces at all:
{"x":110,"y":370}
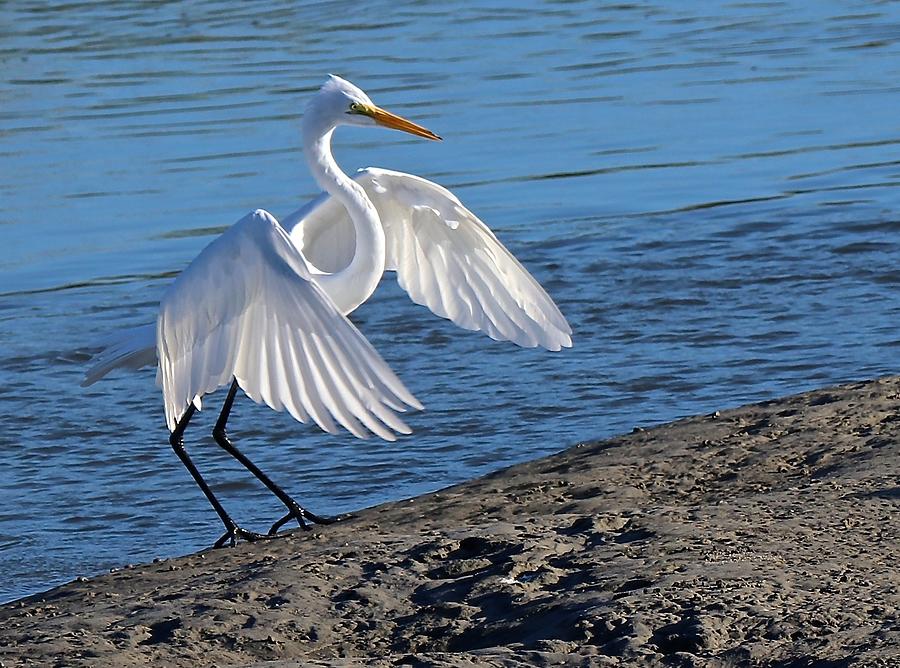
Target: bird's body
{"x":264,"y":305}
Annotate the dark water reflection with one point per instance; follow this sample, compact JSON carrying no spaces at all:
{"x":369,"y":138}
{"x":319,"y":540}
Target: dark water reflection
{"x":709,"y":192}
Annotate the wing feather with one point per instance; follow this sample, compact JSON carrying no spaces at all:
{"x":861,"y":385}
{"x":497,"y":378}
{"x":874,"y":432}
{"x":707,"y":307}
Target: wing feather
{"x":508,"y":302}
{"x":247,"y":308}
{"x":292,"y":381}
{"x":444,"y":256}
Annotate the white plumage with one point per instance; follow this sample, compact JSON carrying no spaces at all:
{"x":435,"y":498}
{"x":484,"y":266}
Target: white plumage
{"x":444,"y":256}
{"x":263,"y":307}
{"x":246,"y":308}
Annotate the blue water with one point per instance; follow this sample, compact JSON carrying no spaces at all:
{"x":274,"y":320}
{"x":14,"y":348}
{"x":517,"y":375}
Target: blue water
{"x":710,"y":192}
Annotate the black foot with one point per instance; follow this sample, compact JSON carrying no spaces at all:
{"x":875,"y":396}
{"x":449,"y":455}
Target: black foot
{"x":235,"y":533}
{"x":301,"y":515}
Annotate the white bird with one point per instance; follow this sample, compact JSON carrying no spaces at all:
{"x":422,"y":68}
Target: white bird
{"x":264,"y":306}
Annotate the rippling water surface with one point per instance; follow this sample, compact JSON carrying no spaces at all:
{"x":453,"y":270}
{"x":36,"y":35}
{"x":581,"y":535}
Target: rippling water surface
{"x":709,"y":192}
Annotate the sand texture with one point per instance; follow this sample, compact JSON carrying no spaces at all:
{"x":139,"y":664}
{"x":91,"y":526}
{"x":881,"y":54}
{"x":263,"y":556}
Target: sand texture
{"x":763,"y":536}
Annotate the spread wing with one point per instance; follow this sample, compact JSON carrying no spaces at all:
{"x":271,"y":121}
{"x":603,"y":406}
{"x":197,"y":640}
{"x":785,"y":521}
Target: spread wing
{"x":245,"y":307}
{"x":444,"y":256}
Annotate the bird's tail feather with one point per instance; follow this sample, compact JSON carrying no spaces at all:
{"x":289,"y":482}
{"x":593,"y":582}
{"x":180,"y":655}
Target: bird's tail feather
{"x":129,"y":349}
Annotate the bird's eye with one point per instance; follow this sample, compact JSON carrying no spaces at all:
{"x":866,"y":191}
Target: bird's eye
{"x":355,"y":108}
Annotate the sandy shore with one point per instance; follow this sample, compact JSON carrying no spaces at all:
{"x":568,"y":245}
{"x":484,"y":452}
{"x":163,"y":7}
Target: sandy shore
{"x":765,"y":535}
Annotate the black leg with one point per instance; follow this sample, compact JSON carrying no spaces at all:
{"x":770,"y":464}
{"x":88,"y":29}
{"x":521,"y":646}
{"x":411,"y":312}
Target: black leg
{"x":232,"y":531}
{"x":295,"y":510}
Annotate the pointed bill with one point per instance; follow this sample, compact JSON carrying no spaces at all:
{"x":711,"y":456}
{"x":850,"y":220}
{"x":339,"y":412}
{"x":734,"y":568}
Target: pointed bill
{"x":389,"y":120}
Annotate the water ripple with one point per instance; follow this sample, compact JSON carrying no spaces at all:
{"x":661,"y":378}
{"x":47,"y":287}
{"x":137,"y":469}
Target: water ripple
{"x":695,"y":187}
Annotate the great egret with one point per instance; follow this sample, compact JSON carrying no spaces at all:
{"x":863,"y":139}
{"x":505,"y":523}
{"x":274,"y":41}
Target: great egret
{"x":264,"y":306}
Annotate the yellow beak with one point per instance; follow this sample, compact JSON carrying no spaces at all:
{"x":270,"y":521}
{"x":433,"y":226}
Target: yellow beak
{"x":389,"y":120}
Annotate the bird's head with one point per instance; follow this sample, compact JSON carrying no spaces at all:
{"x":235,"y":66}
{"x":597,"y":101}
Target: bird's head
{"x":339,"y":102}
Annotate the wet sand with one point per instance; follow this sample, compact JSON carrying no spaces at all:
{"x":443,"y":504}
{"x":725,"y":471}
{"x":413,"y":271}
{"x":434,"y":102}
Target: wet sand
{"x":765,"y":535}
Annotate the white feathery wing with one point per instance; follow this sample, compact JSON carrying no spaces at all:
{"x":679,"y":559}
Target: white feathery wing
{"x":444,"y":256}
{"x":245,"y":307}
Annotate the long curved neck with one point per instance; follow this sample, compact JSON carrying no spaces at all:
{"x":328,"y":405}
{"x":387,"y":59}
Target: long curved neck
{"x":351,"y":286}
